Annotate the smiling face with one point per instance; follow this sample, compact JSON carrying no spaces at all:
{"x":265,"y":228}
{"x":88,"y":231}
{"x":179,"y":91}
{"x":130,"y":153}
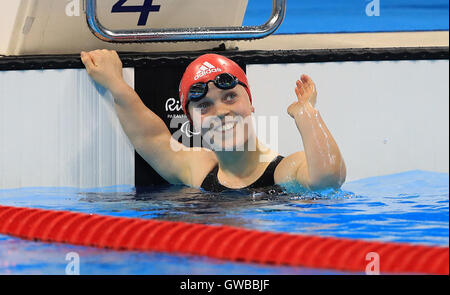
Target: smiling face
{"x":224,"y":118}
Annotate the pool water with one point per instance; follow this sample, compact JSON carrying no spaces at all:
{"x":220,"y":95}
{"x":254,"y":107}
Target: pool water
{"x":410,"y":207}
{"x":350,"y":16}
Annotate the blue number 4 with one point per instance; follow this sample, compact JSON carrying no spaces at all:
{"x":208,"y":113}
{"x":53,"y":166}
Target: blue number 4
{"x":144,"y":9}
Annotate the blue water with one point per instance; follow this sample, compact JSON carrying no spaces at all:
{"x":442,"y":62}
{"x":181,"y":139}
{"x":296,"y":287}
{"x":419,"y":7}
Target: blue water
{"x":410,"y":207}
{"x":349,"y":16}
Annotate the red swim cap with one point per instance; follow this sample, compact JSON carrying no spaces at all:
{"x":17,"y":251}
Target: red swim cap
{"x":206,"y":68}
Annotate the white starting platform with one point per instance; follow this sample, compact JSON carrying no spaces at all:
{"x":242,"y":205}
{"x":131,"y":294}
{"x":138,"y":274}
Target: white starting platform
{"x":32,"y":27}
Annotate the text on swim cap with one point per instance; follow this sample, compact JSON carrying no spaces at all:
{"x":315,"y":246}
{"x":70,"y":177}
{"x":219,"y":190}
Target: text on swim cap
{"x":206,"y":69}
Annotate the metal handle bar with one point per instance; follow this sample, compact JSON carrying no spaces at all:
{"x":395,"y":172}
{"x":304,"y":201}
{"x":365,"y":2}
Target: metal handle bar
{"x":185,"y":34}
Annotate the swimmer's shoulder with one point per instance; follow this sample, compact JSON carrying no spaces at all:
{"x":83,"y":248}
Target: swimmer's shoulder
{"x":288,"y":168}
{"x":201,"y":162}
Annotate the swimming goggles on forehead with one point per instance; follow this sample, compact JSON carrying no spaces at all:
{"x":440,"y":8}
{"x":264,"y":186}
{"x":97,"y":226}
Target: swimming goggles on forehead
{"x":223,"y":81}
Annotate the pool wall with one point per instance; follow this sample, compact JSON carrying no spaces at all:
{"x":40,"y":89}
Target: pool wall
{"x":59,"y":129}
{"x":386,"y":116}
{"x":387,"y":109}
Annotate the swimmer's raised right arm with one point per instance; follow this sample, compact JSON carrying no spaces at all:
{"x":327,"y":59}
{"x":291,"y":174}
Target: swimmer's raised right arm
{"x":146,"y":131}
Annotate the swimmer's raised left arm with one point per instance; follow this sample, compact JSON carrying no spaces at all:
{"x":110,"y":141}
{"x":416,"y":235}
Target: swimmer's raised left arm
{"x":320,"y":165}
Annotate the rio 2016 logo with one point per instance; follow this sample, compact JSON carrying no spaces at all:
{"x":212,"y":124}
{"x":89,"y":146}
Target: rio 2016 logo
{"x":145,"y":9}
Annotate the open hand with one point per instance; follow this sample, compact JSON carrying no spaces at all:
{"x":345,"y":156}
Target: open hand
{"x":104,"y":66}
{"x":306,"y":93}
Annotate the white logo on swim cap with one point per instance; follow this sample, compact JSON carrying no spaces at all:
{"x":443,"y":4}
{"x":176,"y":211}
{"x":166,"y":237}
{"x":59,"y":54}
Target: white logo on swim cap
{"x":206,"y":69}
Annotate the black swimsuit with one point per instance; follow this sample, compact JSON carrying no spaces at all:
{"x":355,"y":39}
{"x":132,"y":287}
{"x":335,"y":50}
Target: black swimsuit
{"x":212,"y":184}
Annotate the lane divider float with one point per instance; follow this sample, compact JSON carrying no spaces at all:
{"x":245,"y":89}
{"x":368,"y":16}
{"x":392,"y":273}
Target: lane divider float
{"x":220,"y":242}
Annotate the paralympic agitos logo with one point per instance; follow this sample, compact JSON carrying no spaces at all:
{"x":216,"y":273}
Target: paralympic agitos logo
{"x":172,"y":107}
{"x":145,"y":9}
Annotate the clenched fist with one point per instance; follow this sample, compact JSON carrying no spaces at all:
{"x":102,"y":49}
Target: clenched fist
{"x":104,"y":66}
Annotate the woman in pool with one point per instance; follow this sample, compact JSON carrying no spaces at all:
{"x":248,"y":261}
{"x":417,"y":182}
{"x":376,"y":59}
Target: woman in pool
{"x":216,"y":97}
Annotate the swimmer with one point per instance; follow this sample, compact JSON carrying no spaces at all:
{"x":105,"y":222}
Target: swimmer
{"x":217,"y":99}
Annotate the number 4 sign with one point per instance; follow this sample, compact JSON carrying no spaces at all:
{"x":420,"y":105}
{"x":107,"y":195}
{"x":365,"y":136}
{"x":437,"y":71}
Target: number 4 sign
{"x":145,"y":9}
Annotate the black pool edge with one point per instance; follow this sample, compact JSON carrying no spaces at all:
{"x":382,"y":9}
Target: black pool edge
{"x":149,"y":60}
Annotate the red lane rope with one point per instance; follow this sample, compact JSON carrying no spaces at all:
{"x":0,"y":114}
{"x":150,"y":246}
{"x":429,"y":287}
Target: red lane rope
{"x":222,"y":242}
